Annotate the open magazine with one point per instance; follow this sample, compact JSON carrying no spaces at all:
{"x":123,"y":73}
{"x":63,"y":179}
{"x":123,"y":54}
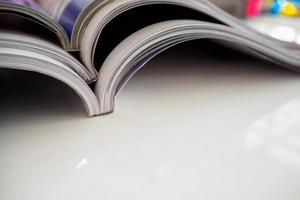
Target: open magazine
{"x":107,"y":41}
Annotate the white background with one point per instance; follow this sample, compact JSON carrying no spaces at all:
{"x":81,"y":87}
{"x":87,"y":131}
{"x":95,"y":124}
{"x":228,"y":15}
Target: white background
{"x":190,"y":125}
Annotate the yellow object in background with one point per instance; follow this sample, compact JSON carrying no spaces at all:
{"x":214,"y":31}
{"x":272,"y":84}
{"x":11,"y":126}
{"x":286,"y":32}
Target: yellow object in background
{"x":289,"y":9}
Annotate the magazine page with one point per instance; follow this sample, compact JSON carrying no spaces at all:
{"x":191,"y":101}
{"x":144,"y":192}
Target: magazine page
{"x":19,"y":15}
{"x":65,"y":12}
{"x":22,"y":41}
{"x":111,"y":10}
{"x":140,"y":47}
{"x":21,"y":52}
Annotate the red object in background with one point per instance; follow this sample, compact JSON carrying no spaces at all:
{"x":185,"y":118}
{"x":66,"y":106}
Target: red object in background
{"x":254,"y":7}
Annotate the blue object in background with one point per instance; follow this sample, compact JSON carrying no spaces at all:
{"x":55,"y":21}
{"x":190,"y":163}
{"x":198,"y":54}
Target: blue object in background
{"x":279,"y":5}
{"x":276,"y":7}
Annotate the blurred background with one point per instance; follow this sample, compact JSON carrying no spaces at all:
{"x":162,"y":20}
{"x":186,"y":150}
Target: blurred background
{"x":276,"y":18}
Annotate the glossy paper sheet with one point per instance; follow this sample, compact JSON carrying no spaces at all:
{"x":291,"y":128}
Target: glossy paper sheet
{"x":65,"y":12}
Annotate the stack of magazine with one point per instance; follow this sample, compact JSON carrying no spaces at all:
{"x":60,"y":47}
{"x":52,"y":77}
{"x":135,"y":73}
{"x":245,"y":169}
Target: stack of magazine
{"x":95,"y":46}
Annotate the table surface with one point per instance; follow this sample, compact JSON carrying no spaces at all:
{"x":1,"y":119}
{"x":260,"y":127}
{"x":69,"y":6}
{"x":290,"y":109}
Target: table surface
{"x":190,"y":125}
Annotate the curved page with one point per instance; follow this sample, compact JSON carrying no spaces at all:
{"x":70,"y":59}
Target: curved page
{"x":31,"y":60}
{"x":139,"y":48}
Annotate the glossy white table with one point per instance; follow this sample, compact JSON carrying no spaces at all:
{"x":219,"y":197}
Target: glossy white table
{"x":184,"y":128}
